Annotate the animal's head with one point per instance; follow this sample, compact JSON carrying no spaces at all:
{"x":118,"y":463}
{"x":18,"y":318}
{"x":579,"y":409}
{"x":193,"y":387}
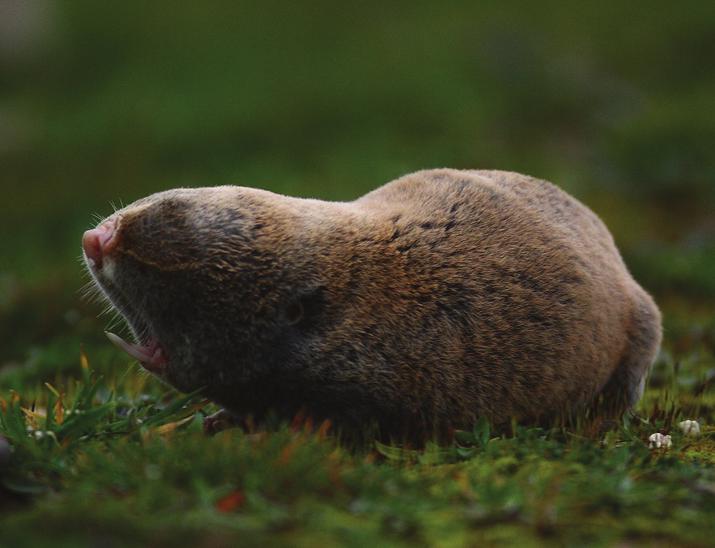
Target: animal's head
{"x":207,"y":280}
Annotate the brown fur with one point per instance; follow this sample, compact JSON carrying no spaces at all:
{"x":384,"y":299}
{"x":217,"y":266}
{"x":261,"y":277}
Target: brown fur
{"x":436,"y":299}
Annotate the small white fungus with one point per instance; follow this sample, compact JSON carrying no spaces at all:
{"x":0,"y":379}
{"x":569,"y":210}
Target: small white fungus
{"x":690,"y":427}
{"x":658,"y":441}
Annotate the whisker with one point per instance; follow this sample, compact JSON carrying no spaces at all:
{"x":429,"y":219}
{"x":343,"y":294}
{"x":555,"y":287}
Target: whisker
{"x":109,"y":308}
{"x":116,"y":323}
{"x":88,"y":292}
{"x":97,"y":299}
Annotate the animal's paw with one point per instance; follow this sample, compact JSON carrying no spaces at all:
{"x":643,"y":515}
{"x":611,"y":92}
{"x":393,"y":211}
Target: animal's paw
{"x":219,"y":421}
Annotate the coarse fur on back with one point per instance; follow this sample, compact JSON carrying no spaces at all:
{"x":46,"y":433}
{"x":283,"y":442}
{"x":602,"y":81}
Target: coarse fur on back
{"x":439,"y":298}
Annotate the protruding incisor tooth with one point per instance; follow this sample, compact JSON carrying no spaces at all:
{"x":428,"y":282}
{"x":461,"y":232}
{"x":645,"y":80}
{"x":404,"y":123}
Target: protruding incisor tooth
{"x":134,"y":350}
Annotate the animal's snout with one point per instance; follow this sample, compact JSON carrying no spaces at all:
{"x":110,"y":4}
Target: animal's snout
{"x":98,"y":242}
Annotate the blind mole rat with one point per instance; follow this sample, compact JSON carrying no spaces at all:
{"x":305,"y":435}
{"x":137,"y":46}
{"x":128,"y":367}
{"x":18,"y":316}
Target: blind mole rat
{"x":439,"y":298}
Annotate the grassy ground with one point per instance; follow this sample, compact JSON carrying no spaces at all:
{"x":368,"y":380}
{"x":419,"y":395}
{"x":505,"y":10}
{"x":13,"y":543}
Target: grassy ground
{"x":114,"y":457}
{"x":114,"y":101}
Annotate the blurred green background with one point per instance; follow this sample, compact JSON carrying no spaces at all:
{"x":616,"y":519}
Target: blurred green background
{"x":109,"y":101}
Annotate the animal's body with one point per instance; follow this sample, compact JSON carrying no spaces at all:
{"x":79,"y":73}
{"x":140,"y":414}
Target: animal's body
{"x":439,"y":298}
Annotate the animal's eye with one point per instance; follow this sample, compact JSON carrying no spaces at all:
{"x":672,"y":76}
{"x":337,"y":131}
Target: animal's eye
{"x":305,"y":309}
{"x":294,"y":312}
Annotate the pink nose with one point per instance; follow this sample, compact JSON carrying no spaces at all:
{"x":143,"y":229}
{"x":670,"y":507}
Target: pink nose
{"x":98,"y":242}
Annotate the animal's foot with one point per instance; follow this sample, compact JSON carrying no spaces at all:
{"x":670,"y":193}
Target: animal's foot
{"x":219,"y":421}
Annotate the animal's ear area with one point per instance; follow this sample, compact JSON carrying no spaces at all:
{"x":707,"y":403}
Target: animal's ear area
{"x":305,"y":307}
